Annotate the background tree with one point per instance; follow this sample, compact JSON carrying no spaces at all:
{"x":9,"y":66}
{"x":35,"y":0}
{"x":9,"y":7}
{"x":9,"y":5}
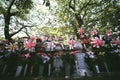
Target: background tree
{"x":89,"y":13}
{"x":99,"y":14}
{"x":14,"y":10}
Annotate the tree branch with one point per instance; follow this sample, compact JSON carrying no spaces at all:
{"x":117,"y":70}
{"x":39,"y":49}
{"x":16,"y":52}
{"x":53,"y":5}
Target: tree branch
{"x":72,"y":7}
{"x":16,"y":31}
{"x":84,"y":14}
{"x":88,"y":3}
{"x":26,"y":32}
{"x":23,"y":26}
{"x":10,"y":5}
{"x":14,"y":13}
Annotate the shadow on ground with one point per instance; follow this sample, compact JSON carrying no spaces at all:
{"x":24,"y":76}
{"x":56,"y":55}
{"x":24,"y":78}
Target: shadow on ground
{"x":112,"y":76}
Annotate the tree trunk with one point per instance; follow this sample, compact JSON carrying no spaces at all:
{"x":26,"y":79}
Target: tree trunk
{"x":79,"y":19}
{"x":6,"y":28}
{"x":77,"y":35}
{"x":80,"y":23}
{"x":7,"y":16}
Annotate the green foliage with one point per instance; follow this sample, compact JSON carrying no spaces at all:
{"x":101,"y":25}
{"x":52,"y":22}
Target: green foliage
{"x":110,"y":15}
{"x":56,"y":31}
{"x":94,"y":13}
{"x":23,"y":7}
{"x":11,"y":9}
{"x":19,"y":7}
{"x":24,"y":4}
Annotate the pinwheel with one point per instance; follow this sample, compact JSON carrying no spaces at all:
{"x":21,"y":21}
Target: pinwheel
{"x":29,"y":45}
{"x":45,"y":58}
{"x":93,"y":32}
{"x":71,"y":42}
{"x":80,"y":31}
{"x":27,"y":55}
{"x":97,"y":42}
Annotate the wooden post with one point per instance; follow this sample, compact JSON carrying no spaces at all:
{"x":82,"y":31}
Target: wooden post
{"x":106,"y":67}
{"x":3,"y":71}
{"x":49,"y":69}
{"x":25,"y":70}
{"x":31,"y":70}
{"x":97,"y":69}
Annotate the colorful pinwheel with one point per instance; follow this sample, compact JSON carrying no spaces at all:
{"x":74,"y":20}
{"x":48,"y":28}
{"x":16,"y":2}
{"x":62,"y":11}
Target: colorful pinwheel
{"x":80,"y":31}
{"x":96,"y":42}
{"x":29,"y":44}
{"x":27,"y":55}
{"x":93,"y":32}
